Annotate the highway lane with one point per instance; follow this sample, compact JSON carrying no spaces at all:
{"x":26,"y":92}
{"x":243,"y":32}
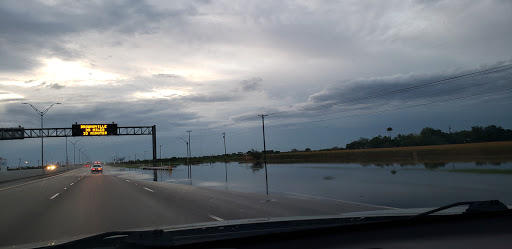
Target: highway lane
{"x":79,"y":203}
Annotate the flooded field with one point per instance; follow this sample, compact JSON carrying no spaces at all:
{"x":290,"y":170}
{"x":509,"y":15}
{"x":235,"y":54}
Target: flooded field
{"x":390,"y":185}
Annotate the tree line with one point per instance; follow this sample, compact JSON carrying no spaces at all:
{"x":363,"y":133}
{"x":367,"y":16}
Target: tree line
{"x":431,"y":136}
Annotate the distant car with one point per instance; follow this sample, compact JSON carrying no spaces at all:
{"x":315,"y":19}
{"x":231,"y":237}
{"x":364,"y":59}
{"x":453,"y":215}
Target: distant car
{"x":87,"y":165}
{"x":96,"y":168}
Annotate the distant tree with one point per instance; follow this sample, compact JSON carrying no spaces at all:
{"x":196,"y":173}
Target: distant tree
{"x":307,"y":150}
{"x":255,"y":154}
{"x":431,"y":136}
{"x":294,"y":150}
{"x":361,"y":143}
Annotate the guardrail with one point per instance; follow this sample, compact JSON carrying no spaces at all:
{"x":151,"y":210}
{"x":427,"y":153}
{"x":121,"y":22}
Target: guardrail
{"x":11,"y":175}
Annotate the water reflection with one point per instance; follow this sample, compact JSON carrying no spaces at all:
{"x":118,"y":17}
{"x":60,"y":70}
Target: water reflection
{"x":417,"y":185}
{"x":256,"y":167}
{"x":433,"y":165}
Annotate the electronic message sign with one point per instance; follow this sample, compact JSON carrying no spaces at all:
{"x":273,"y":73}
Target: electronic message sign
{"x":94,"y":129}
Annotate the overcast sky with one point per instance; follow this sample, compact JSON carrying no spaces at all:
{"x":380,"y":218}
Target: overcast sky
{"x":319,"y":69}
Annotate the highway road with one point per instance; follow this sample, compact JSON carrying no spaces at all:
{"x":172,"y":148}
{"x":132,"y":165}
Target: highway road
{"x":78,"y":203}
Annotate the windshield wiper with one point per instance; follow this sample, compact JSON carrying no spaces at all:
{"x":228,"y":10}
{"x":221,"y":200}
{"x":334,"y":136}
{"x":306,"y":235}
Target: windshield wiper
{"x":474,"y":207}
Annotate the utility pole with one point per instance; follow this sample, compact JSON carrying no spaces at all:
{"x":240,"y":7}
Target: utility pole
{"x":189,"y":155}
{"x":225,"y":158}
{"x":41,"y":113}
{"x":160,"y":151}
{"x":264,"y":149}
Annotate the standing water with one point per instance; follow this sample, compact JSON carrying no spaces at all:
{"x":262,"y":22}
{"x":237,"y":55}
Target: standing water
{"x":397,"y":186}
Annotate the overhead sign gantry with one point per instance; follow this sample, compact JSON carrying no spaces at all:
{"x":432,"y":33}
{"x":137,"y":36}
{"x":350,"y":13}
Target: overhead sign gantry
{"x":81,"y":130}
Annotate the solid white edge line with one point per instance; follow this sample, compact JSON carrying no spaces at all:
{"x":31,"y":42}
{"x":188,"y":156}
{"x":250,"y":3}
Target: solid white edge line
{"x":55,"y":195}
{"x":215,"y":218}
{"x":332,"y":199}
{"x":149,"y":189}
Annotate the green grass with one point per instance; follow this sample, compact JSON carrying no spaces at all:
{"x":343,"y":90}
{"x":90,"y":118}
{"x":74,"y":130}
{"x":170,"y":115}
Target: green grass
{"x":476,"y":152}
{"x":484,"y":171}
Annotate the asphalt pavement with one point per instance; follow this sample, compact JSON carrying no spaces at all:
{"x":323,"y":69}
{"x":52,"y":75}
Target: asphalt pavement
{"x":78,"y":203}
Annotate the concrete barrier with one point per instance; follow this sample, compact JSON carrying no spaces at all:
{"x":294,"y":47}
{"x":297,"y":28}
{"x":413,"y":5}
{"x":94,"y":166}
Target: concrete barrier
{"x":20,"y":174}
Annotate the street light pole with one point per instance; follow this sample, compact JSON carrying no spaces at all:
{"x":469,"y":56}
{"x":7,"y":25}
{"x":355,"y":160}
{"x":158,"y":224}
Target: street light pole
{"x":79,"y":152}
{"x":225,"y":158}
{"x":188,"y":164}
{"x":67,"y":161}
{"x":41,"y":113}
{"x":189,"y":149}
{"x":74,"y":152}
{"x":189,"y":155}
{"x":224,"y":136}
{"x":84,"y":155}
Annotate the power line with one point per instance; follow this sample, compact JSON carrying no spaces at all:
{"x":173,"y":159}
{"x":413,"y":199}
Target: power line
{"x":382,"y":94}
{"x":340,"y":111}
{"x":406,"y":89}
{"x":376,"y":112}
{"x":394,"y":109}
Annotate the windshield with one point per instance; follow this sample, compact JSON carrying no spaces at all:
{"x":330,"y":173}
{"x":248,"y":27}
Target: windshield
{"x":204,"y":111}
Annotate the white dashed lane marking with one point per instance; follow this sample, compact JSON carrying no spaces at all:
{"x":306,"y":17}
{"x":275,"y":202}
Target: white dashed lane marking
{"x":216,"y":218}
{"x":149,"y":189}
{"x":55,"y":195}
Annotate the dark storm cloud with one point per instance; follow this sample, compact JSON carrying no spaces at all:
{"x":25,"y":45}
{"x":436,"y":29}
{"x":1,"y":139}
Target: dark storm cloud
{"x":213,"y":97}
{"x":404,"y":89}
{"x":31,"y":30}
{"x":171,"y":76}
{"x":11,"y":100}
{"x":56,"y":86}
{"x":251,"y":84}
